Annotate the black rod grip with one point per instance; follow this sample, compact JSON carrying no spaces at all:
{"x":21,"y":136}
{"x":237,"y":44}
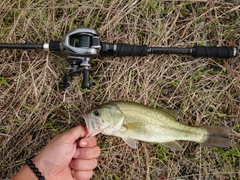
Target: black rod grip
{"x":54,"y":46}
{"x":131,"y":50}
{"x":169,"y":50}
{"x":85,"y":81}
{"x":213,"y":51}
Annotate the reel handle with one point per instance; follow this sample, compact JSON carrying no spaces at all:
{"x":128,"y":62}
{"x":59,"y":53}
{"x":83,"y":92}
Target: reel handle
{"x":85,"y":81}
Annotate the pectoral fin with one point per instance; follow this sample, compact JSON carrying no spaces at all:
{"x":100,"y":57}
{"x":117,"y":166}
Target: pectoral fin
{"x":133,"y":126}
{"x":173,"y":145}
{"x":131,"y":142}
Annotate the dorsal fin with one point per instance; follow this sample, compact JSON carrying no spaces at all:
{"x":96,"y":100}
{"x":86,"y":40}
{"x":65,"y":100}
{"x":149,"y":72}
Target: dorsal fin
{"x":172,"y":112}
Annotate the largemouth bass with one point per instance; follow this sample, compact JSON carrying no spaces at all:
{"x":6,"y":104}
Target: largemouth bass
{"x":132,"y":121}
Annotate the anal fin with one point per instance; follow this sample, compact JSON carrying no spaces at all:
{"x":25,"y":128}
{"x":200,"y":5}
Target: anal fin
{"x":172,"y":145}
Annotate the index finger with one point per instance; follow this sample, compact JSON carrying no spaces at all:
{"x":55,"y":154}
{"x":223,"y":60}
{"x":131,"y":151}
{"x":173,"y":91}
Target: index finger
{"x":88,"y":142}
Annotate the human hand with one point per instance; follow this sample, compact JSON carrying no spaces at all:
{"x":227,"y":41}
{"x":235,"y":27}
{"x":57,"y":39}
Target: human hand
{"x":67,"y":158}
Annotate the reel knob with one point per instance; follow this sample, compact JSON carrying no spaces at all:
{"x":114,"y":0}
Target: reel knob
{"x":86,"y":81}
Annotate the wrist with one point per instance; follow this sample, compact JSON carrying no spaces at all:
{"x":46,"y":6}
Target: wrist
{"x":35,"y":168}
{"x":25,"y":173}
{"x":40,"y":166}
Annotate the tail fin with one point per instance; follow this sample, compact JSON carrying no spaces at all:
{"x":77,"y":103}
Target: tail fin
{"x":218,"y":136}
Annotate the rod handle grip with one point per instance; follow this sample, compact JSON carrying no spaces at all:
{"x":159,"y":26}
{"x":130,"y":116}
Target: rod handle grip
{"x":213,"y":51}
{"x":131,"y":50}
{"x":55,"y":46}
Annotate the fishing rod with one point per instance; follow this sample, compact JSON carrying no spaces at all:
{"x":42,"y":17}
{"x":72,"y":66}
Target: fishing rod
{"x":82,"y":45}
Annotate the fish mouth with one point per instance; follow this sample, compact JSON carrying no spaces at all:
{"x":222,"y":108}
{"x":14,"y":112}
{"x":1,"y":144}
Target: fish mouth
{"x":93,"y":127}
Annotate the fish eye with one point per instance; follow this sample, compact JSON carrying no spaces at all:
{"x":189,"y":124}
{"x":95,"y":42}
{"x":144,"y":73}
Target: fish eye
{"x":96,"y":113}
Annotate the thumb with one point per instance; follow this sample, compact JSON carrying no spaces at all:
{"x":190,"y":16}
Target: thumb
{"x":75,"y":133}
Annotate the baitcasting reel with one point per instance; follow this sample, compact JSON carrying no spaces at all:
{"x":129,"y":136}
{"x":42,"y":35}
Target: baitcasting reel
{"x":82,"y":44}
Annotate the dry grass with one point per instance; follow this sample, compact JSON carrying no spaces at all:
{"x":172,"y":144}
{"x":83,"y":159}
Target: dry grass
{"x":33,"y":109}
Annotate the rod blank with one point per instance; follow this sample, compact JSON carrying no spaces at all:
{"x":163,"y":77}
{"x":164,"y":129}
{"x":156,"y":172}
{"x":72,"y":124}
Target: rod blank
{"x":20,"y":46}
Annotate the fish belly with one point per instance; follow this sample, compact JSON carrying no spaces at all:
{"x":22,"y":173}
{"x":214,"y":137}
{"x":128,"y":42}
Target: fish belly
{"x":154,"y":133}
